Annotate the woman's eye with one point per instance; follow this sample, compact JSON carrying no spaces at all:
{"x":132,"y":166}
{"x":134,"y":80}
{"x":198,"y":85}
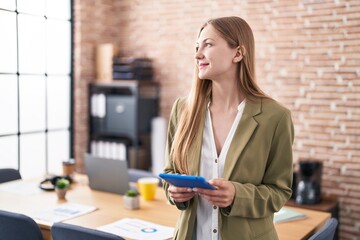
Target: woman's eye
{"x":204,"y":45}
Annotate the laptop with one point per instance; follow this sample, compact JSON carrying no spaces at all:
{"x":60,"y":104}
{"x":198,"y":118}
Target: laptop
{"x":106,"y":174}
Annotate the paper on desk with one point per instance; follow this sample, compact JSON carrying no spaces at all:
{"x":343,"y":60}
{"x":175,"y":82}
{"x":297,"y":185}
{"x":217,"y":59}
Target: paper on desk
{"x":63,"y":212}
{"x":138,"y":229}
{"x":20,"y":187}
{"x":285,"y":215}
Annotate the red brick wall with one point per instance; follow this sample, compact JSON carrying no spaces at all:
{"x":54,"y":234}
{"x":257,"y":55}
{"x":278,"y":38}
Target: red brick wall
{"x":308,"y":58}
{"x":94,"y":23}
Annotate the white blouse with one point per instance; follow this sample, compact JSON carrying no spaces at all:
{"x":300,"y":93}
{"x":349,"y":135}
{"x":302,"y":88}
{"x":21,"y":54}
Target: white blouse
{"x":212,"y":166}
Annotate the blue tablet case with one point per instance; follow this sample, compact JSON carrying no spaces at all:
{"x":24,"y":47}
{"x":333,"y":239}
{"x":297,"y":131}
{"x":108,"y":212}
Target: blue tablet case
{"x":186,"y":181}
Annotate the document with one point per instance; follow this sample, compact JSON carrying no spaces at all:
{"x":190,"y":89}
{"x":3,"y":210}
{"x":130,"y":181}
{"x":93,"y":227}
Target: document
{"x":133,"y":228}
{"x":285,"y":215}
{"x":20,"y":187}
{"x":63,"y":212}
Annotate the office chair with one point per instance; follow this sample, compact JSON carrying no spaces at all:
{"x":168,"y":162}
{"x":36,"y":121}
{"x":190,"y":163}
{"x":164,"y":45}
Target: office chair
{"x":135,"y":174}
{"x":64,"y":231}
{"x":327,"y":232}
{"x":9,"y":174}
{"x":17,"y":226}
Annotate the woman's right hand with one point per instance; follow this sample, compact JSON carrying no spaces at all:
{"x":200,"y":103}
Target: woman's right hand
{"x":180,"y":194}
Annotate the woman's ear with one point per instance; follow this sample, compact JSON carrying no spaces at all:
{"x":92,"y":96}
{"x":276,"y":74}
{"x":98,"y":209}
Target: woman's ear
{"x":240,"y":52}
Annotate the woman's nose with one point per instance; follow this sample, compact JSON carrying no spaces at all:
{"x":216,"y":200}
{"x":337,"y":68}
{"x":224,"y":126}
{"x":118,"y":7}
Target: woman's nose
{"x":198,"y":55}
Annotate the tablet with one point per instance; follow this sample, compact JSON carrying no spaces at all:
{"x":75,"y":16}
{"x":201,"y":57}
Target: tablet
{"x":186,"y":181}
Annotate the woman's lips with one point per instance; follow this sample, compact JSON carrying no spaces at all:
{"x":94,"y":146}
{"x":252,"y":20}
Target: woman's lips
{"x":203,"y":65}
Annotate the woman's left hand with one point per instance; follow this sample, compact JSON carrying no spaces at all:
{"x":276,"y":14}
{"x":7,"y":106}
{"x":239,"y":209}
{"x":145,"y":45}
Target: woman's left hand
{"x":222,"y":197}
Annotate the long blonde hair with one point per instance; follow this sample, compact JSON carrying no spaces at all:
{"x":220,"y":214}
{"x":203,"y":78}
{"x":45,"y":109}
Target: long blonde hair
{"x":237,"y":33}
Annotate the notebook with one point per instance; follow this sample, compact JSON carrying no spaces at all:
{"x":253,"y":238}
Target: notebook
{"x":106,"y":174}
{"x":286,"y":214}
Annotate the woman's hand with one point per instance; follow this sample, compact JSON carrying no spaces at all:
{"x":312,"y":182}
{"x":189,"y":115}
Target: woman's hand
{"x":222,"y":197}
{"x":180,"y":194}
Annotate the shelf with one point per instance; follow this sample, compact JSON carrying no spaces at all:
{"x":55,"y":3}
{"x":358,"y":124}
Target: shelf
{"x":122,"y":111}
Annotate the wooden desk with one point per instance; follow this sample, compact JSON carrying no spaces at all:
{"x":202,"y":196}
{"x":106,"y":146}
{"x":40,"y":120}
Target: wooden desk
{"x":110,"y":209}
{"x":329,"y":205}
{"x":304,"y":228}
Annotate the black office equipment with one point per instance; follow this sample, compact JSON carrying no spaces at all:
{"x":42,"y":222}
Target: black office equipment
{"x":121,"y":112}
{"x":309,"y":182}
{"x":131,"y":68}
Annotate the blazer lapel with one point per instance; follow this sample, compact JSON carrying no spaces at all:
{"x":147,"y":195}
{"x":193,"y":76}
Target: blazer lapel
{"x":243,"y":133}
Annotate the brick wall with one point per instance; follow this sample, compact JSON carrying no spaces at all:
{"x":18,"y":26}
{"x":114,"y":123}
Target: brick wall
{"x":308,"y":58}
{"x":94,"y":23}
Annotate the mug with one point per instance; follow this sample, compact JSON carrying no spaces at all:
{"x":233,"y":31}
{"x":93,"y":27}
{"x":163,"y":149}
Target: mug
{"x":68,"y":167}
{"x":147,"y":187}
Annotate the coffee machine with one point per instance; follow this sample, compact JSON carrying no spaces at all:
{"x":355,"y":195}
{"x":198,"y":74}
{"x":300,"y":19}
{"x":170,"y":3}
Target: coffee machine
{"x":308,"y":189}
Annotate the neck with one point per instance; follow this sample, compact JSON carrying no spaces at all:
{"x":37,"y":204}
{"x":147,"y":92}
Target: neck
{"x":226,"y":96}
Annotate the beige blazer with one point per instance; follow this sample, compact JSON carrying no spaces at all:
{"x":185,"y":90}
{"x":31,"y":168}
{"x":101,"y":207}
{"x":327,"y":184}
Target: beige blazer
{"x":259,"y":163}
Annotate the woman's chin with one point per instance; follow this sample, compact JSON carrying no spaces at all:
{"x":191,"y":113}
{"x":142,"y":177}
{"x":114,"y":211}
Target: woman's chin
{"x":202,"y":76}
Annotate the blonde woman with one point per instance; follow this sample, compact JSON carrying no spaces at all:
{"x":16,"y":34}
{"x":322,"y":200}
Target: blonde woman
{"x":228,"y":131}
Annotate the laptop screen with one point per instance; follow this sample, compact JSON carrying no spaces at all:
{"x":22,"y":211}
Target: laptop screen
{"x":107,"y":175}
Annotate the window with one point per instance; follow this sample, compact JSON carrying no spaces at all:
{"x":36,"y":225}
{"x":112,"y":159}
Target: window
{"x":35,"y":85}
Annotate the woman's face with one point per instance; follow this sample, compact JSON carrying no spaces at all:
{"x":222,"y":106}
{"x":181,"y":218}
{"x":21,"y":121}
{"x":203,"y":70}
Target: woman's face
{"x":215,"y":59}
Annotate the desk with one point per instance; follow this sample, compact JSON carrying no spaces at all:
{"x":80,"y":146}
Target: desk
{"x":110,"y":209}
{"x":326,"y":205}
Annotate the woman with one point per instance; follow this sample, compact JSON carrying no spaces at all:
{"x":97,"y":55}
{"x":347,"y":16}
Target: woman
{"x":227,"y":130}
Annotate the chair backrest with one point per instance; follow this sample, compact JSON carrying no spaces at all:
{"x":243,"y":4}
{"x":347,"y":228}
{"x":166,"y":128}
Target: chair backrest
{"x":64,"y":231}
{"x":9,"y":174}
{"x":17,"y":226}
{"x":327,"y":232}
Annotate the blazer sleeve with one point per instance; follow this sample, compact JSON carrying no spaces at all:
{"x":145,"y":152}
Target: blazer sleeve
{"x":261,"y":200}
